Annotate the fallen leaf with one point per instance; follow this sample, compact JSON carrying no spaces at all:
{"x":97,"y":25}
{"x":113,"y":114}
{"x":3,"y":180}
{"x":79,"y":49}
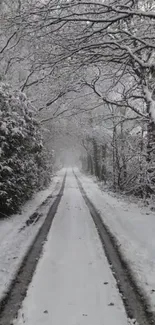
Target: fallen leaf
{"x":111,"y":304}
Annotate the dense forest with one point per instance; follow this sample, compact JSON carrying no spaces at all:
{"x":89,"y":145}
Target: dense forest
{"x":77,"y":77}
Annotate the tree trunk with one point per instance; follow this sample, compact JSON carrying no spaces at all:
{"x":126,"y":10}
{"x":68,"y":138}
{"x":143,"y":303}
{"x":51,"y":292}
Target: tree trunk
{"x":123,"y":175}
{"x":115,"y":154}
{"x":103,"y":176}
{"x":96,"y":163}
{"x":150,"y":186}
{"x":89,"y":164}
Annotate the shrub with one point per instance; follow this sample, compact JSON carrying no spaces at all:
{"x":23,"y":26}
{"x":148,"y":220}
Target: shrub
{"x":23,"y":168}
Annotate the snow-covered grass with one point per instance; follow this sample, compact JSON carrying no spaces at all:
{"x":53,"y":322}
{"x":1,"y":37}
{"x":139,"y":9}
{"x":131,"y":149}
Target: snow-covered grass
{"x":73,"y":283}
{"x":133,"y":227}
{"x":13,"y":243}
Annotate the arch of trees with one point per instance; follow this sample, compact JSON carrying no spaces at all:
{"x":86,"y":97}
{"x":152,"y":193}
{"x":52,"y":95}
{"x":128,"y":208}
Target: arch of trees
{"x":55,"y":50}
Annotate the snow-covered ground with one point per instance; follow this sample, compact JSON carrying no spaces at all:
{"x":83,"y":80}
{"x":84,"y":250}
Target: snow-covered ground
{"x":13,"y":242}
{"x":73,"y":283}
{"x":134,"y":229}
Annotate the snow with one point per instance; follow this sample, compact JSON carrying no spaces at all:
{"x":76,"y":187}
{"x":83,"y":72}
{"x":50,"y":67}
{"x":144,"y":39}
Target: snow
{"x":13,"y":243}
{"x":3,"y":127}
{"x":152,"y":110}
{"x":68,"y":285}
{"x":134,"y":229}
{"x":7,"y":168}
{"x":150,"y":100}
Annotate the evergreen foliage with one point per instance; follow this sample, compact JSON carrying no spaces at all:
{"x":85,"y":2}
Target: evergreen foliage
{"x":23,"y":167}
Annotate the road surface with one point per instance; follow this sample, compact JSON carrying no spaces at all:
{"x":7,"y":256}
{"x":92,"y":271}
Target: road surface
{"x":73,"y":283}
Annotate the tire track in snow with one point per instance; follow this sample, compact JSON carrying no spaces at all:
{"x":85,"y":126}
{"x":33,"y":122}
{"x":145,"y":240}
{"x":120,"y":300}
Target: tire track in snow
{"x":11,"y":303}
{"x":136,"y":305}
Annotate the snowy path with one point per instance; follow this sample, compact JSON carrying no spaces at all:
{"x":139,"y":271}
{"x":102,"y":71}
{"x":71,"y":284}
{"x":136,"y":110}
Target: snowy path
{"x":73,"y":283}
{"x":13,"y":242}
{"x":134,"y":230}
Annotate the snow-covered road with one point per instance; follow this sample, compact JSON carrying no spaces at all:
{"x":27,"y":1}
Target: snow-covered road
{"x":133,"y":227}
{"x":15,"y":243}
{"x":73,"y":283}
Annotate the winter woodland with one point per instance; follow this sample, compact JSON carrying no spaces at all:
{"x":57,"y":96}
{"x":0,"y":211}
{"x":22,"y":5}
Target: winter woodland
{"x":77,"y":84}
